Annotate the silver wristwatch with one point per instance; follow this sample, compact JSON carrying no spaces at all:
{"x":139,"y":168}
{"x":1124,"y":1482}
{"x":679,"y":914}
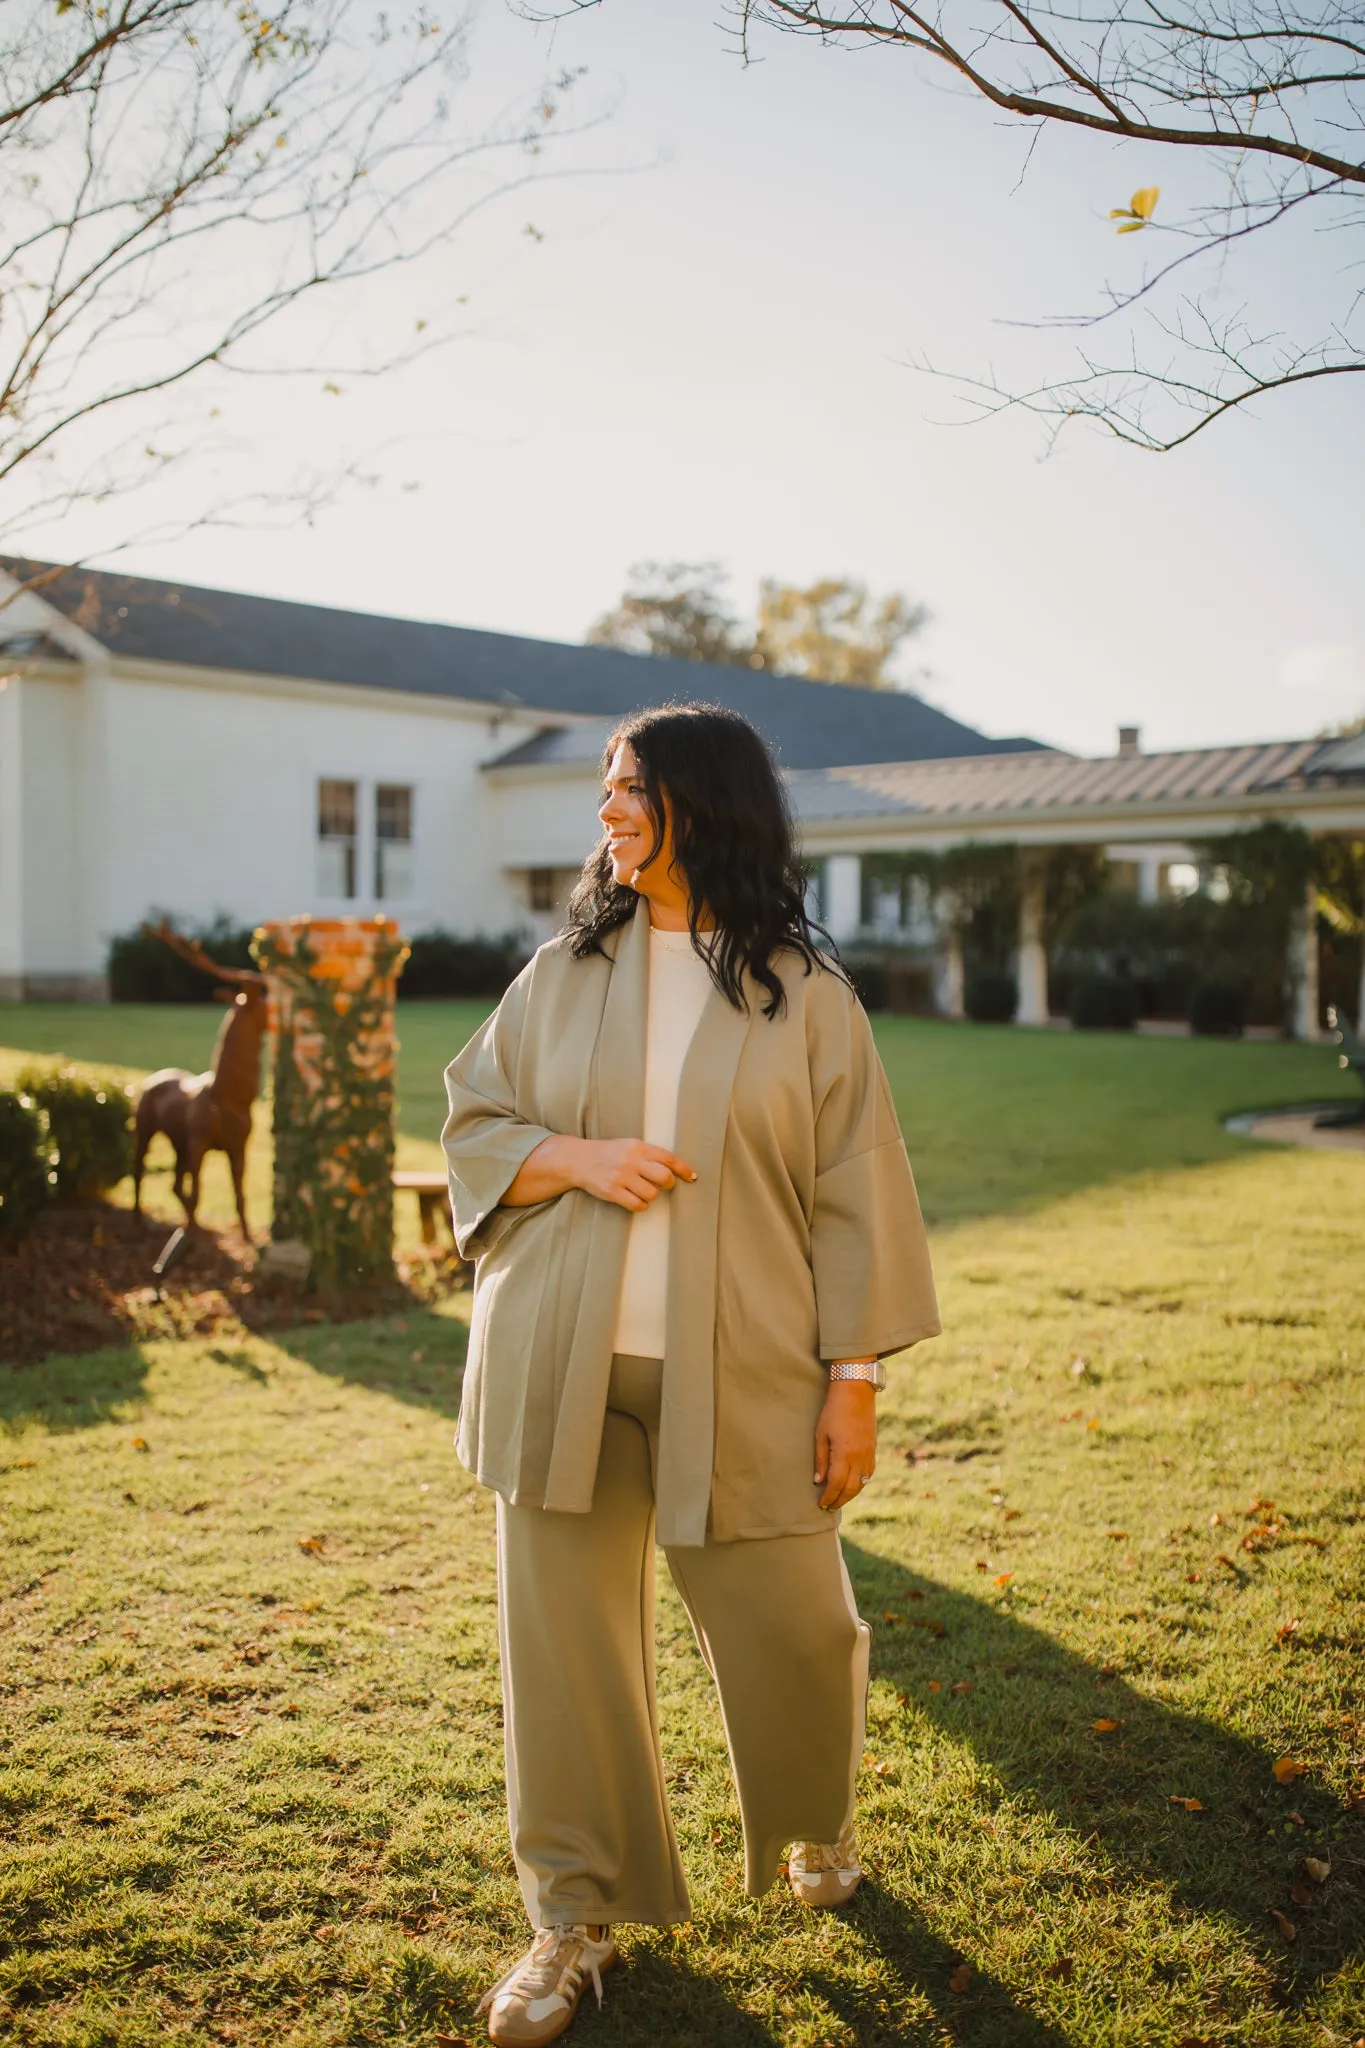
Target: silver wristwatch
{"x":870,"y":1369}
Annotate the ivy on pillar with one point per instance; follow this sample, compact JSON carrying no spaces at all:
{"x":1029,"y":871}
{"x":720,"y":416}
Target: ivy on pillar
{"x":1032,"y":1007}
{"x":332,"y":987}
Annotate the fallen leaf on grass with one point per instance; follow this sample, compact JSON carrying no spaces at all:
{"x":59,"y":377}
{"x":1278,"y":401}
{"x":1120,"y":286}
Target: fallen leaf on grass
{"x":291,"y":1709}
{"x":1301,"y":1895}
{"x":1318,"y":1868}
{"x":1002,"y":1578}
{"x":1288,"y":1629}
{"x":451,"y":2041}
{"x":323,"y":1933}
{"x":1288,"y":1931}
{"x":935,"y":1685}
{"x":24,"y":1464}
{"x":961,"y":1977}
{"x":1012,"y":1514}
{"x":982,"y":1565}
{"x":1286,"y":1769}
{"x":140,"y":1443}
{"x":1298,"y":1819}
{"x":882,"y":1770}
{"x":1093,"y":1423}
{"x":1215,"y":1520}
{"x":963,"y":1685}
{"x":312,"y":1544}
{"x":912,"y":1593}
{"x":1193,"y":1578}
{"x":1064,"y":1969}
{"x":1117,"y":1535}
{"x":1190,"y":1805}
{"x":887,"y":1615}
{"x":1104,"y":1726}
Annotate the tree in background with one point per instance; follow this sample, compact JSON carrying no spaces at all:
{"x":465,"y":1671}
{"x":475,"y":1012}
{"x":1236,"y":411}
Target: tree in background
{"x":833,"y":631}
{"x":678,"y":609}
{"x":1267,"y":94}
{"x":830,"y":631}
{"x":185,"y":181}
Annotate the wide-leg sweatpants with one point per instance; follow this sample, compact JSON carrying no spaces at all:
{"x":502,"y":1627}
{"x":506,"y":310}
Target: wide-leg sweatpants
{"x":776,"y":1622}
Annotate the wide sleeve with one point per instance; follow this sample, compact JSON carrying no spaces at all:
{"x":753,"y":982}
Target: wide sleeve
{"x":874,"y":1286}
{"x":485,"y":1140}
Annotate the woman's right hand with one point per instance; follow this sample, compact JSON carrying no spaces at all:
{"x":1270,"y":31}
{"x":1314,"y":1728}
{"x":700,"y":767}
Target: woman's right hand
{"x":626,"y":1171}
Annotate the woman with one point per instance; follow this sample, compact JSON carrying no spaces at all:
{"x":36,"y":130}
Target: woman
{"x":675,"y":1159}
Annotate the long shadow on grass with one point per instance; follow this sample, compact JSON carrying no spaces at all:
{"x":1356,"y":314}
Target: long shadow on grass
{"x":1029,"y":1715}
{"x":72,"y":1392}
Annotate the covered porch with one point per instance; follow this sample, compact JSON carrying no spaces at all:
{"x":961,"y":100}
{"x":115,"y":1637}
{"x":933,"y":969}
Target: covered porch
{"x":881,"y":841}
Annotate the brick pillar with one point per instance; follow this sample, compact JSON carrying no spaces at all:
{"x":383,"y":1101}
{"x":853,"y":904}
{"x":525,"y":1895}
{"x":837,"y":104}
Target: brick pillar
{"x":332,"y":984}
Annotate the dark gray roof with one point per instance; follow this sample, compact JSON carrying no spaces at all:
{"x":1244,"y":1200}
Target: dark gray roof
{"x":808,"y":725}
{"x":1054,"y":781}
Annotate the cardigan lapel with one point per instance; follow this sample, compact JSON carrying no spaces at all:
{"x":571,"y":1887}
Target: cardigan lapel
{"x":688,"y":1425}
{"x":615,"y":1109}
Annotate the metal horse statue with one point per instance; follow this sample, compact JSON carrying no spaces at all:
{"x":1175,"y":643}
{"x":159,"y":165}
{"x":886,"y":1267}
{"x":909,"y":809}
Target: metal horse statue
{"x":210,"y":1112}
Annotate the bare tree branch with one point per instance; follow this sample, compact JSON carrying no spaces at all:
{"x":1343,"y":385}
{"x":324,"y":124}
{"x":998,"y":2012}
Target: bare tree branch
{"x":181,"y":178}
{"x":1274,"y":89}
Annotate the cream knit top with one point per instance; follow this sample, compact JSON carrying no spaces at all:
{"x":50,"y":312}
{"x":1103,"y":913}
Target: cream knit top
{"x":679,"y":982}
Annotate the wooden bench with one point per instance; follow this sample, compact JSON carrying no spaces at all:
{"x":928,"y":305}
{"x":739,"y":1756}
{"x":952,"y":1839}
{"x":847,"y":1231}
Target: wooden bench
{"x":433,"y":1199}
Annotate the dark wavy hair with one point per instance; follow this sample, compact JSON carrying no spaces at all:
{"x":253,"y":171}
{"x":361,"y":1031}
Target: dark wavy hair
{"x":732,"y":840}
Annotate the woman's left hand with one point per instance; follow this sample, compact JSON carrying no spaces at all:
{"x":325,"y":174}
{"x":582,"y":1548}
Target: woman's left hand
{"x":846,"y":1442}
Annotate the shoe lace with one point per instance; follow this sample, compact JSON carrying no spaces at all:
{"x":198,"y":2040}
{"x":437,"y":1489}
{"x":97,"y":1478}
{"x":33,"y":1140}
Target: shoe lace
{"x":556,"y":1954}
{"x":840,"y":1855}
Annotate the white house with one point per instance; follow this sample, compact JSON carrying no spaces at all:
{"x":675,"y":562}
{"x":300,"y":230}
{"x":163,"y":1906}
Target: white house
{"x":202,"y":751}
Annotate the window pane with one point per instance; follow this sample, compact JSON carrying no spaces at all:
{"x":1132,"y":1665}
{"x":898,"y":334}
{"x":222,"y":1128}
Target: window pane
{"x":393,"y":811}
{"x":336,"y":867}
{"x":542,"y":888}
{"x":392,"y":869}
{"x":336,"y":809}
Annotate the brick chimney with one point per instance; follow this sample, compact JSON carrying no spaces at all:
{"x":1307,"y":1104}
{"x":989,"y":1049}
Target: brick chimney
{"x":1130,"y":737}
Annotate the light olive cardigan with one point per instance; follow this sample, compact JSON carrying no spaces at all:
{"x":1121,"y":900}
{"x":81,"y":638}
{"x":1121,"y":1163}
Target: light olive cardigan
{"x":800,"y":1240}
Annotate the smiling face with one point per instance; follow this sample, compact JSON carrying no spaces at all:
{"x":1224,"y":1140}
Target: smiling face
{"x":626,"y":819}
{"x":640,"y":852}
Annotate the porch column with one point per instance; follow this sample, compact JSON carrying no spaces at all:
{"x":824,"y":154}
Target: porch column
{"x":1032,"y":952}
{"x":950,"y":975}
{"x":1303,"y":965}
{"x":843,"y":895}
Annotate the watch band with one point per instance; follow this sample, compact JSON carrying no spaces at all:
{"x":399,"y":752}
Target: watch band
{"x":869,"y":1369}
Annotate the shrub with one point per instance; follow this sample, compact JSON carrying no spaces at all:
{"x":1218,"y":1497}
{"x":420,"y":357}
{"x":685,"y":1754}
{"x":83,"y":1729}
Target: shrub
{"x":88,"y":1136}
{"x":1104,"y":1002}
{"x":1218,"y":1009}
{"x":443,"y":964}
{"x":871,"y":984}
{"x":144,"y":970}
{"x":990,"y":996}
{"x":24,"y":1186}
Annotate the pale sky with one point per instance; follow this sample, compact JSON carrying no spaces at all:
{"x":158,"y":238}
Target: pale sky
{"x":707,"y":356}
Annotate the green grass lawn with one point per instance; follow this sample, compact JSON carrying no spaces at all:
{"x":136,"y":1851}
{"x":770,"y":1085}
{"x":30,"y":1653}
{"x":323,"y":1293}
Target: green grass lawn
{"x":996,"y":1119}
{"x":250,"y":1766}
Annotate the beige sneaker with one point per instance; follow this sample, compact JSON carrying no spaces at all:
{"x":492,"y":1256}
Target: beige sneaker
{"x":825,"y":1873}
{"x":539,"y":1996}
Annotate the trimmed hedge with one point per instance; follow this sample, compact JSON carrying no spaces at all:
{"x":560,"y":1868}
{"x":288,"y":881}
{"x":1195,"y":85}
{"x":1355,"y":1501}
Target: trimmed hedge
{"x":442,"y":963}
{"x":1218,"y":1009}
{"x":990,"y":996}
{"x":88,"y":1126}
{"x":24,"y":1186}
{"x":1104,"y":1002}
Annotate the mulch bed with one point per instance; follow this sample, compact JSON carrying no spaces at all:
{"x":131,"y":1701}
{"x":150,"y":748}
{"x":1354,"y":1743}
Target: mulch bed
{"x":82,"y":1278}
